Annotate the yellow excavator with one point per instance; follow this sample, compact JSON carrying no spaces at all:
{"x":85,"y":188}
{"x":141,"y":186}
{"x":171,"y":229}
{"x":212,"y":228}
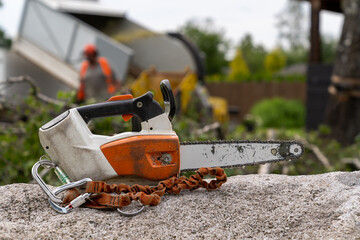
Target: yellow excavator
{"x":187,"y":90}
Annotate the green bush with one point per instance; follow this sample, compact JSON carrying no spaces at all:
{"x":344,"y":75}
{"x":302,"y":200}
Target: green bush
{"x":20,"y":145}
{"x":280,"y":113}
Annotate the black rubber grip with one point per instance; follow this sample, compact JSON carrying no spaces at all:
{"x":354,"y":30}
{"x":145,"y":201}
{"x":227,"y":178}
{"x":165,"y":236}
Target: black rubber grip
{"x":144,"y":107}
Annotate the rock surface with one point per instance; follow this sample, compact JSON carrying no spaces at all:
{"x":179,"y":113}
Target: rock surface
{"x":252,"y":206}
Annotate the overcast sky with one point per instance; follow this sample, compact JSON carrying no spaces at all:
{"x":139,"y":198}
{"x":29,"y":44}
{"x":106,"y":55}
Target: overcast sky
{"x":236,"y":17}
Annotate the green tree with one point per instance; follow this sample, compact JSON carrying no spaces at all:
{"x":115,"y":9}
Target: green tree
{"x":300,"y":53}
{"x":275,"y":60}
{"x":210,"y":40}
{"x":290,"y":24}
{"x":293,"y":37}
{"x":328,"y":48}
{"x":4,"y":40}
{"x":238,"y":67}
{"x":253,"y":54}
{"x":296,"y":54}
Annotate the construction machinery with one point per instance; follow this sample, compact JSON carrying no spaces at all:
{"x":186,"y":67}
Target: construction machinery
{"x":52,"y":35}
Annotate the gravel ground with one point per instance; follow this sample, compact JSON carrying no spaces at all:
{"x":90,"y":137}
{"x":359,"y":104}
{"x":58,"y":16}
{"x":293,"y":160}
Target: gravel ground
{"x":325,"y":206}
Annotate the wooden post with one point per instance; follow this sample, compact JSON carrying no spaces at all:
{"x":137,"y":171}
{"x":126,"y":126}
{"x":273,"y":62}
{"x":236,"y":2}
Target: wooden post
{"x":343,"y":111}
{"x":315,"y":40}
{"x":347,"y":59}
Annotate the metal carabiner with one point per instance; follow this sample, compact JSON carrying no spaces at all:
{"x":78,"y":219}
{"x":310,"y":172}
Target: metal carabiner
{"x":53,"y":198}
{"x":38,"y":179}
{"x":77,"y":202}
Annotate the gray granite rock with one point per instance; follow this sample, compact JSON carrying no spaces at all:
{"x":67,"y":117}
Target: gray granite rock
{"x":323,"y":206}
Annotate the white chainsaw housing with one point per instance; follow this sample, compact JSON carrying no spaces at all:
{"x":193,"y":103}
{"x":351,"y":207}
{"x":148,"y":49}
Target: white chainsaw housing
{"x":71,"y":145}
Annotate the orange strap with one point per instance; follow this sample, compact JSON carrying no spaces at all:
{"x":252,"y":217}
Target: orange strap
{"x":121,"y":195}
{"x":105,"y":66}
{"x":83,"y":69}
{"x":106,"y":69}
{"x":80,"y":96}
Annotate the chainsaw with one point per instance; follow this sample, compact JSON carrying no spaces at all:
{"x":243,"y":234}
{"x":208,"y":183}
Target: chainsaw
{"x":151,"y":152}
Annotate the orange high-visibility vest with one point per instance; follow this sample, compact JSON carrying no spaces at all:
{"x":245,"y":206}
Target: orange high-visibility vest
{"x":106,"y":69}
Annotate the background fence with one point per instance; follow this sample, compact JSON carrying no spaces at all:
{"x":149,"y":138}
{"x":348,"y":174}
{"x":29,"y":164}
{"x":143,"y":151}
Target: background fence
{"x":243,"y":96}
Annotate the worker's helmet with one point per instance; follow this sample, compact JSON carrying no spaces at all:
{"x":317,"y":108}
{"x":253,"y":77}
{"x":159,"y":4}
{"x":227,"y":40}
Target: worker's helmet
{"x":90,"y":50}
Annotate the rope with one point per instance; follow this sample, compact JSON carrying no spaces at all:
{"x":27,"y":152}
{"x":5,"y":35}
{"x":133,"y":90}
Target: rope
{"x":121,"y":195}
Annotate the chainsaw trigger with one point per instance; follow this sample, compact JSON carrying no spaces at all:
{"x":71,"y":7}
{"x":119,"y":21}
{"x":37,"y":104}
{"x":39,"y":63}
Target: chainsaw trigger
{"x":126,"y":117}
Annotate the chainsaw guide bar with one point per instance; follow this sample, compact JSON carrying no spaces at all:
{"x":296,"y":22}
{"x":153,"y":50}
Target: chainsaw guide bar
{"x":236,"y":153}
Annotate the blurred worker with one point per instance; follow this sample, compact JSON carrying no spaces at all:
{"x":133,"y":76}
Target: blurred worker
{"x":97,"y":80}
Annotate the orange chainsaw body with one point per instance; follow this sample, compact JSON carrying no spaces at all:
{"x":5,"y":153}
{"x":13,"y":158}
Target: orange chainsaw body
{"x":151,"y":157}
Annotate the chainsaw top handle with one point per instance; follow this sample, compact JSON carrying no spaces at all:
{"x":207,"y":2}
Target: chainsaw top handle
{"x":144,"y":107}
